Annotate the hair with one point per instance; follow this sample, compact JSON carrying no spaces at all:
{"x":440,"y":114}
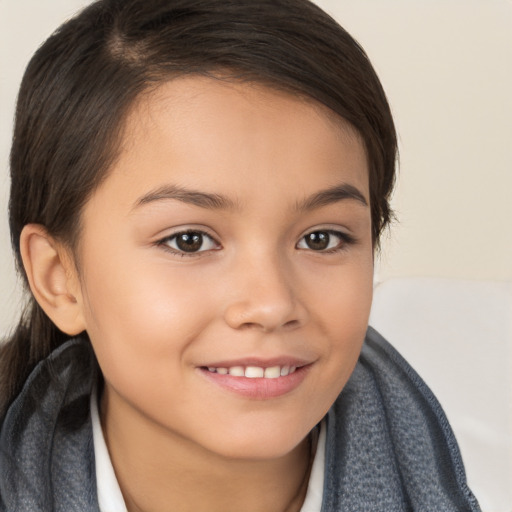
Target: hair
{"x":81,"y":83}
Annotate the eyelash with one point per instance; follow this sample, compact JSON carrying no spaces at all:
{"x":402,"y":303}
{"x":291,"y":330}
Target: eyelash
{"x":344,"y":241}
{"x":164,"y":242}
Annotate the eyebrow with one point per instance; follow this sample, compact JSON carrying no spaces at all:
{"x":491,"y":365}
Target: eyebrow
{"x":210,"y":201}
{"x":194,"y":197}
{"x":331,"y":195}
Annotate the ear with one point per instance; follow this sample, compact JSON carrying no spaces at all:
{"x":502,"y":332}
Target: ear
{"x":53,"y":278}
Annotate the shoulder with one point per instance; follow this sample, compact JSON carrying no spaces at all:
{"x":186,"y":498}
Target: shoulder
{"x":62,"y":378}
{"x":389,"y":444}
{"x":46,"y":439}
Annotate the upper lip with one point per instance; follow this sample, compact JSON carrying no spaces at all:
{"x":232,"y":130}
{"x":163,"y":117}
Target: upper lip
{"x":261,"y":363}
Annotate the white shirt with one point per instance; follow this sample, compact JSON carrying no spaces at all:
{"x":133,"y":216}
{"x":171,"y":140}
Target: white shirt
{"x":110,"y":498}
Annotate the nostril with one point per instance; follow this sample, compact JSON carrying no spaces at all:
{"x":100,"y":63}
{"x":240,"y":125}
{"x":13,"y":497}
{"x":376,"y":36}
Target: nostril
{"x":292,"y":324}
{"x":249,"y":325}
{"x":265,"y":315}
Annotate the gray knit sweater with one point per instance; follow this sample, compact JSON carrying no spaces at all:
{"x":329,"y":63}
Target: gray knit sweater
{"x":389,"y":446}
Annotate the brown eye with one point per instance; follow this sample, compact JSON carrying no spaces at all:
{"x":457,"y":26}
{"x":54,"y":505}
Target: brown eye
{"x":325,"y":240}
{"x":318,"y":241}
{"x":190,"y":242}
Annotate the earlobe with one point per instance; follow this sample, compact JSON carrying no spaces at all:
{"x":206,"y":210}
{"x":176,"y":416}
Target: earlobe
{"x":52,"y":278}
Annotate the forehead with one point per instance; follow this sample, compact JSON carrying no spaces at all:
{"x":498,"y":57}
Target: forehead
{"x":222,"y":135}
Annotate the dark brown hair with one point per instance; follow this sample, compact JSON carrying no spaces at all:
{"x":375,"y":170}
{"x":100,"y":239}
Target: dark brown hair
{"x":80,"y":84}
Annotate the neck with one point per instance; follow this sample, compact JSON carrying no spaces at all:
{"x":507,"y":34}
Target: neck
{"x":155,"y":468}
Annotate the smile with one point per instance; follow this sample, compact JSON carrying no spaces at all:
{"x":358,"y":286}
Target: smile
{"x":257,"y":382}
{"x":255,"y":372}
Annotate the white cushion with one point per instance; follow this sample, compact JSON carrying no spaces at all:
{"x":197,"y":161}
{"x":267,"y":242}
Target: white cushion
{"x":458,"y":336}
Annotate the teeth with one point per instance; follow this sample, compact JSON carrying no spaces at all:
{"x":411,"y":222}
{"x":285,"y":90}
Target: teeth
{"x":255,"y":372}
{"x":237,"y":371}
{"x":273,"y":372}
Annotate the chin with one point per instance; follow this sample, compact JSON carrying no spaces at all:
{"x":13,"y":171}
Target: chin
{"x":264,"y":443}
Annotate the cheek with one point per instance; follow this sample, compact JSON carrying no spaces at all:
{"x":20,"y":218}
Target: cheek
{"x":140,"y":320}
{"x":341,"y":309}
{"x":140,"y":311}
{"x":130,"y":288}
{"x":343,"y":295}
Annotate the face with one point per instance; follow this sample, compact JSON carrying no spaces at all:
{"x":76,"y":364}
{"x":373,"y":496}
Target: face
{"x":226,"y":266}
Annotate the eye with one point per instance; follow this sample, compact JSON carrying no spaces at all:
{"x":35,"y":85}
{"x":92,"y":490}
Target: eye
{"x":189,"y":242}
{"x":324,"y":240}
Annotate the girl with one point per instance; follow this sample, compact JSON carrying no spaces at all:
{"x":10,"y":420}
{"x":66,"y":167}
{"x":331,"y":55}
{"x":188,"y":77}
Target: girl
{"x":198,"y":190}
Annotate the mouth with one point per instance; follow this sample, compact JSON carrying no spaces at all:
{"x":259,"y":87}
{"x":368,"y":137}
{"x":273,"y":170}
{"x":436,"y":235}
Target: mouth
{"x":254,"y":372}
{"x":257,"y":382}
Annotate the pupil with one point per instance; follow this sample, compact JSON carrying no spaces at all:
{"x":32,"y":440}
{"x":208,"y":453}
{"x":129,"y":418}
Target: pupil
{"x":318,"y":240}
{"x":189,"y":242}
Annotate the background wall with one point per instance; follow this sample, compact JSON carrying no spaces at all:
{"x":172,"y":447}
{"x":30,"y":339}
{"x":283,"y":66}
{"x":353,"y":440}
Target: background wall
{"x":447,"y":68}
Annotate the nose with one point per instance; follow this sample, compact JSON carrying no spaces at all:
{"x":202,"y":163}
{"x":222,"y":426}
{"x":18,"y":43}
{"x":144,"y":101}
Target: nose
{"x":265,"y":297}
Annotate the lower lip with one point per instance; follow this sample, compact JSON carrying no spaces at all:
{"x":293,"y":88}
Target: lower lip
{"x":258,"y":388}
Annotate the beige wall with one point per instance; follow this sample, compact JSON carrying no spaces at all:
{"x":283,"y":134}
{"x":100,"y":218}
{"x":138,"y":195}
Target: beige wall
{"x":447,"y":69}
